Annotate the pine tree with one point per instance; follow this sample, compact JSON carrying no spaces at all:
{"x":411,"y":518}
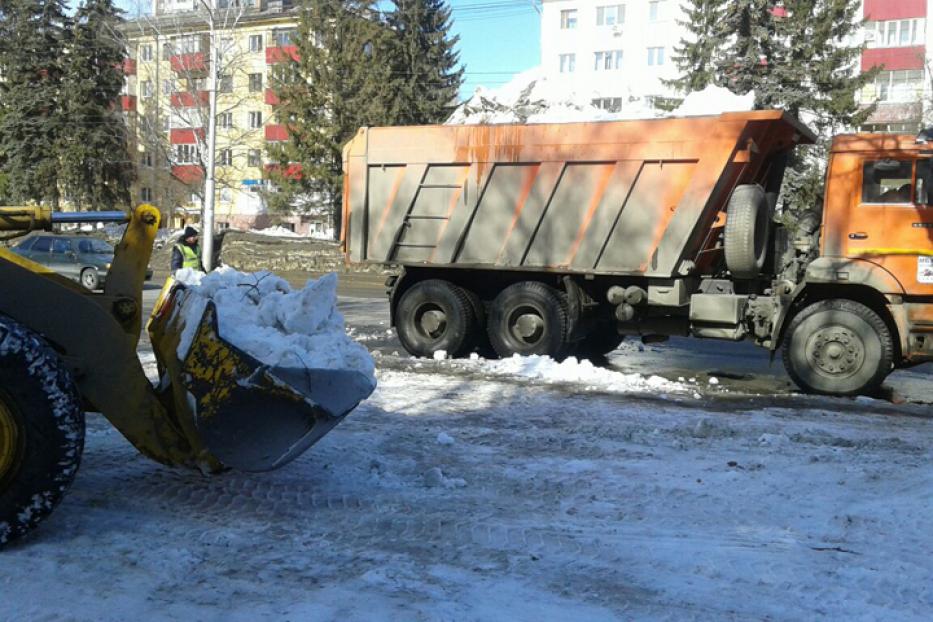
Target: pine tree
{"x":96,"y":170}
{"x":426,"y":78}
{"x":33,"y":38}
{"x":339,"y":83}
{"x":695,"y":58}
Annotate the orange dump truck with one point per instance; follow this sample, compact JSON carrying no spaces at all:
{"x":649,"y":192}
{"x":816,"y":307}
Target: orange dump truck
{"x":561,"y":239}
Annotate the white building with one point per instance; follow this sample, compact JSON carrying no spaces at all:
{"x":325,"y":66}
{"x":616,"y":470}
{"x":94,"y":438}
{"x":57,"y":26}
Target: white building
{"x":610,"y":50}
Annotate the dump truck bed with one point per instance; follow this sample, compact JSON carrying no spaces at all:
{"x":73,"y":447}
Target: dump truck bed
{"x":618,"y":197}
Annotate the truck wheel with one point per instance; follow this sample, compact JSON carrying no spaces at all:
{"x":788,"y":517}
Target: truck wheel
{"x":435,"y":315}
{"x":41,"y":430}
{"x":599,"y":342}
{"x":838,"y":347}
{"x":748,"y":225}
{"x":529,"y":318}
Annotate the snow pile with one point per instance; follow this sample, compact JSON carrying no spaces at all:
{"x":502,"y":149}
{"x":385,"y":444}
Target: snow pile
{"x":714,"y":100}
{"x":530,"y":97}
{"x":261,"y":314}
{"x":277,"y":231}
{"x":582,"y":372}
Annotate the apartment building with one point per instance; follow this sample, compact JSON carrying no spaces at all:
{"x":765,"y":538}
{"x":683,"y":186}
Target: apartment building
{"x":898,"y":41}
{"x":611,"y":51}
{"x":166,"y":102}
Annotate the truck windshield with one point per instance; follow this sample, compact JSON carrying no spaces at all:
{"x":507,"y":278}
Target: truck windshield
{"x":887,"y":181}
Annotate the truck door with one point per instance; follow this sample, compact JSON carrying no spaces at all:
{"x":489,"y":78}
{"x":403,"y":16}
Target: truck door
{"x":893,"y":223}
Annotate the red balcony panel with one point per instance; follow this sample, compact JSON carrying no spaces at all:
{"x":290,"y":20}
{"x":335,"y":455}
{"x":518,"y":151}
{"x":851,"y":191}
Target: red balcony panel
{"x":128,"y":103}
{"x":894,"y":59}
{"x":193,"y":62}
{"x":186,"y":136}
{"x":276,"y":132}
{"x":129,"y":66}
{"x":883,"y":10}
{"x":271,"y":98}
{"x":280,"y":53}
{"x":291,"y":171}
{"x":779,"y":12}
{"x":188,"y":173}
{"x":189,"y":99}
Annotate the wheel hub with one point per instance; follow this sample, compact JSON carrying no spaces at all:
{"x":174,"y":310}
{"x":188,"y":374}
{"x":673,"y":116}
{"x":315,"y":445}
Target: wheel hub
{"x":9,"y":443}
{"x":528,"y":327}
{"x":837,"y":351}
{"x":433,"y":323}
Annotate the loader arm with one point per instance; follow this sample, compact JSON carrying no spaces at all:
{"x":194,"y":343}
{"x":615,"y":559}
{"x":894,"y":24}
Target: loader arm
{"x":96,"y":335}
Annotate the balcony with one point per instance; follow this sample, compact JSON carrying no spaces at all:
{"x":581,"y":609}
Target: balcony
{"x":281,"y":53}
{"x":188,"y":173}
{"x":894,"y":59}
{"x":276,"y":132}
{"x":186,"y":136}
{"x":191,"y":63}
{"x":291,"y":171}
{"x":884,"y":10}
{"x":129,"y":67}
{"x":128,"y":103}
{"x":190,"y":99}
{"x":271,"y":98}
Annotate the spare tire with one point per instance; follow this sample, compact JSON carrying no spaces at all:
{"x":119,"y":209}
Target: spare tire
{"x":748,"y":229}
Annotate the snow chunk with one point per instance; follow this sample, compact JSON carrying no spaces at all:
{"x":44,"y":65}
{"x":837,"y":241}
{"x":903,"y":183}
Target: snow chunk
{"x":444,"y":439}
{"x":713,"y":380}
{"x":435,"y":478}
{"x":440,"y":355}
{"x":262,"y":315}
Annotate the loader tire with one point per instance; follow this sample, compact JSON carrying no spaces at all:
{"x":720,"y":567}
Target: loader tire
{"x":41,"y":430}
{"x":748,"y":229}
{"x":435,"y":315}
{"x":529,"y":318}
{"x":838,"y":347}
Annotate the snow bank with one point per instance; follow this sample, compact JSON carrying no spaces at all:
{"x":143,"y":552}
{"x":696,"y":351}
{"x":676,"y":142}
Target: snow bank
{"x":530,"y":97}
{"x":261,"y":314}
{"x":583,"y":372}
{"x":277,"y":231}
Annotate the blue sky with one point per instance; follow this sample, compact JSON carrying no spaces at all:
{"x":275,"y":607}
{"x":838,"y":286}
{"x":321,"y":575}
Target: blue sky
{"x":498,"y":38}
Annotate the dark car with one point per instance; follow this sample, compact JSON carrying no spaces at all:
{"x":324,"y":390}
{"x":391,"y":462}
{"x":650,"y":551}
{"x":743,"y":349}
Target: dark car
{"x":82,"y":258}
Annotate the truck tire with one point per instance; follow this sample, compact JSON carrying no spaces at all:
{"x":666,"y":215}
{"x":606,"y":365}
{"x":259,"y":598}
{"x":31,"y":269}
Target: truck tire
{"x":599,"y":342}
{"x":435,"y":315}
{"x":41,"y":430}
{"x":748,"y":228}
{"x":478,"y":336}
{"x":838,"y":347}
{"x":529,"y":318}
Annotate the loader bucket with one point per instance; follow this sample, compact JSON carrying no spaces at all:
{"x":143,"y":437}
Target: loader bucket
{"x":248,"y":415}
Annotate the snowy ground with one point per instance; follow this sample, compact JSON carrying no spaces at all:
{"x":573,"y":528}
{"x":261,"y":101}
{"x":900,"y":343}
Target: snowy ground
{"x":479,"y":491}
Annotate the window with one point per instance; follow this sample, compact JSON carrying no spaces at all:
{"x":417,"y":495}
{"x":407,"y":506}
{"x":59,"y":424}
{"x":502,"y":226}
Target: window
{"x":887,"y":181}
{"x":284,"y":37}
{"x":42,"y":245}
{"x":145,"y":159}
{"x":899,"y":86}
{"x":255,"y":82}
{"x":60,"y":246}
{"x":610,"y":15}
{"x":186,"y":154}
{"x":145,"y":52}
{"x":891,"y":128}
{"x":895,"y":33}
{"x":604,"y":61}
{"x":225,"y":84}
{"x":253,"y":158}
{"x":145,"y":194}
{"x":656,"y":56}
{"x":255,"y":43}
{"x":226,"y":157}
{"x":255,"y":120}
{"x":568,"y":63}
{"x":167,"y":51}
{"x":168,"y":86}
{"x":568,"y":19}
{"x":145,"y":88}
{"x":609,"y":104}
{"x":98,"y":247}
{"x":25,"y":244}
{"x":166,"y":123}
{"x":225,"y":120}
{"x":653,"y":9}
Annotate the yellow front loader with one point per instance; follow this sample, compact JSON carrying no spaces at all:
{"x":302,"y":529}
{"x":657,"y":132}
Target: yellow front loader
{"x":65,"y":350}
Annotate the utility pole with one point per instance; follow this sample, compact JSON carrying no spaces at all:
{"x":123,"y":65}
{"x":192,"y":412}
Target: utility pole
{"x":207,"y":210}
